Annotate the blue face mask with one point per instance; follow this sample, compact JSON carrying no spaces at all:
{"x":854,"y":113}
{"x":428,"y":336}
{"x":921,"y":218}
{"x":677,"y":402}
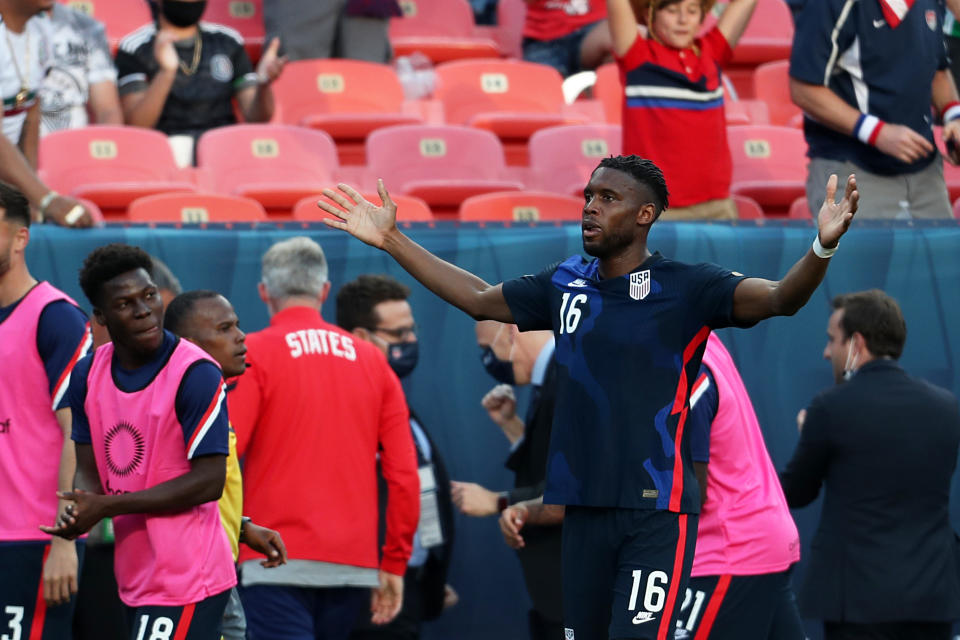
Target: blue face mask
{"x":402,"y":357}
{"x":499,"y":370}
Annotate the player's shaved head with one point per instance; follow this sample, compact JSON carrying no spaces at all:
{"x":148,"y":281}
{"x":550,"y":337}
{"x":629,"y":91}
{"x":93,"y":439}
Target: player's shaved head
{"x":646,"y":173}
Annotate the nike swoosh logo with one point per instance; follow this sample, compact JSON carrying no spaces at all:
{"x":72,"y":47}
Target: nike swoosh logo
{"x":879,"y":23}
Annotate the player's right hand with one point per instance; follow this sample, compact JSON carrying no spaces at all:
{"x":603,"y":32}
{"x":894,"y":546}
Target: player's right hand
{"x":501,"y":403}
{"x":359,"y":217}
{"x":387,"y":598}
{"x":60,"y":572}
{"x":165,"y":52}
{"x":903,"y":143}
{"x":511,"y":522}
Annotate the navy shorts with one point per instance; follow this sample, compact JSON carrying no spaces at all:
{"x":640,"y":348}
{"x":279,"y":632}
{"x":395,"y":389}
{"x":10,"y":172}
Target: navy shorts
{"x":23,"y":611}
{"x":624,"y":571}
{"x":726,"y":607}
{"x":563,"y":53}
{"x":276,"y":612}
{"x":197,"y":621}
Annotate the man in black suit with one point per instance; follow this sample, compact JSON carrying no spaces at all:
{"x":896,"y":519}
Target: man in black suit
{"x":530,"y":361}
{"x":375,"y":308}
{"x":883,"y":562}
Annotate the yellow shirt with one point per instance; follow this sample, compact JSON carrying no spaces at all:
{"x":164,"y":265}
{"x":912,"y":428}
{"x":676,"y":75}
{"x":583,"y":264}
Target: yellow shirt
{"x":231,"y":502}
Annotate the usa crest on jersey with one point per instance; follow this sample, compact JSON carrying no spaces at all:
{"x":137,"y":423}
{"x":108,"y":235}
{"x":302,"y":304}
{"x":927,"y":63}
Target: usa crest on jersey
{"x":640,"y":284}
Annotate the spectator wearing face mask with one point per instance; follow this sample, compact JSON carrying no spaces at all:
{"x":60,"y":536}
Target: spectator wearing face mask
{"x":375,"y":308}
{"x":511,"y":357}
{"x":180,"y":75}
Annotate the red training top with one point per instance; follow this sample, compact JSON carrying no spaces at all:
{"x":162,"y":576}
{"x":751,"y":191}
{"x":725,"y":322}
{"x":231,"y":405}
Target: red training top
{"x":673,"y":114}
{"x":552,"y":19}
{"x":311,"y":412}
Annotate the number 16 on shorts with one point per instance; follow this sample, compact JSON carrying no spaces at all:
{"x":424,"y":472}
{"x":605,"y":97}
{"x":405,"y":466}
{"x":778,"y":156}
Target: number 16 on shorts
{"x":648,"y":594}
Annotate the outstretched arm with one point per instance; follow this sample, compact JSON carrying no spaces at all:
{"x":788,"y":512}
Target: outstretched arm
{"x":734,"y":20}
{"x":623,"y":25}
{"x":377,"y":226}
{"x":756,"y":299}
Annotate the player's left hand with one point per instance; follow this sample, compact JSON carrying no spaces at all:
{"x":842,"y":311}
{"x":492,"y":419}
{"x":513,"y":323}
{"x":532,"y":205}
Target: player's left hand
{"x":265,"y":541}
{"x":511,"y":521}
{"x":271,"y":64}
{"x":951,"y":131}
{"x":835,"y":217}
{"x":387,"y":598}
{"x":86,"y":509}
{"x":60,"y":572}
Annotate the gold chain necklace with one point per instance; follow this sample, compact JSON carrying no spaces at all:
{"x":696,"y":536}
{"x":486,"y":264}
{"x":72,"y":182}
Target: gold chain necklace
{"x":197,"y":48}
{"x":21,"y":98}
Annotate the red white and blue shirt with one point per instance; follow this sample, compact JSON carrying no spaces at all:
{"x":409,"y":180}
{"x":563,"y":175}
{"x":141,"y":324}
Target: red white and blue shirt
{"x":673,"y":114}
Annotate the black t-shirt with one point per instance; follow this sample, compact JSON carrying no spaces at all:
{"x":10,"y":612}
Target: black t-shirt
{"x":196,"y":102}
{"x":628,"y":352}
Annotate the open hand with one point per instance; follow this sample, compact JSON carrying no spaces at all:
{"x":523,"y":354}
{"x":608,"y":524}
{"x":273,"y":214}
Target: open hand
{"x":271,"y":64}
{"x":835,"y":217}
{"x":60,"y":572}
{"x":359,"y":217}
{"x":265,"y":541}
{"x":387,"y":598}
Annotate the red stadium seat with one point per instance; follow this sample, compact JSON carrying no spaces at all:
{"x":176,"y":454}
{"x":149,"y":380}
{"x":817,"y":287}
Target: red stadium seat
{"x":444,"y":165}
{"x":768,"y":37}
{"x":746,"y":112}
{"x":119,"y":17}
{"x":800,"y":209}
{"x":521,"y":206}
{"x":747,"y":208}
{"x":111,"y":166}
{"x":195,"y":207}
{"x":769,"y":165}
{"x":441,"y":30}
{"x":409,"y":209}
{"x":511,"y":98}
{"x":245,"y":16}
{"x":562,"y":158}
{"x":346,"y":98}
{"x":276,"y":165}
{"x":771,"y":83}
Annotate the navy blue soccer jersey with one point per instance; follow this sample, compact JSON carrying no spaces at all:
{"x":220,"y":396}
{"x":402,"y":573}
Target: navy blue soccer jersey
{"x":628,"y":352}
{"x":848,"y":47}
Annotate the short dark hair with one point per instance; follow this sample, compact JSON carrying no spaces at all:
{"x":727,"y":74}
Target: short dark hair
{"x":164,"y":278}
{"x":176,"y":317}
{"x":15,"y":205}
{"x":877,"y":317}
{"x":356,"y":299}
{"x":646,"y":173}
{"x":107,"y":262}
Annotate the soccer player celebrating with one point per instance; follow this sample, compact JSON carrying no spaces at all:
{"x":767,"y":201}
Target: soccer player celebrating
{"x":630,"y":327}
{"x":150,"y":427}
{"x":42,"y":335}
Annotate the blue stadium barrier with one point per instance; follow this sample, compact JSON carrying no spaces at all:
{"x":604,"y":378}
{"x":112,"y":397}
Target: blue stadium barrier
{"x":781,"y":359}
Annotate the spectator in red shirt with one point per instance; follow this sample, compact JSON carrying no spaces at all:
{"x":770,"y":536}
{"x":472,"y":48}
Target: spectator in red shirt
{"x":312,"y":412}
{"x":673,"y":96}
{"x":568,"y":35}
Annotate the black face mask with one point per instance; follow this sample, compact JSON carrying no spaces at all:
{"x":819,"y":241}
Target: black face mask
{"x":499,"y":370}
{"x":402,"y":357}
{"x":182,"y":14}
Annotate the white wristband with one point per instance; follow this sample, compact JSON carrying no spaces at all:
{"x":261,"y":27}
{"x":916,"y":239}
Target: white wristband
{"x":820,"y":251}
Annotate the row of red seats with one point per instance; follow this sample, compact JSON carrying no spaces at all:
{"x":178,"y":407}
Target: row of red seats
{"x":445,"y":30}
{"x":277,"y":165}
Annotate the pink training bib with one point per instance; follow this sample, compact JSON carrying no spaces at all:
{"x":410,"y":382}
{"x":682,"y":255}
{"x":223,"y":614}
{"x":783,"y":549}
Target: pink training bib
{"x":30,"y":436}
{"x":169,"y":559}
{"x":745,"y":526}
